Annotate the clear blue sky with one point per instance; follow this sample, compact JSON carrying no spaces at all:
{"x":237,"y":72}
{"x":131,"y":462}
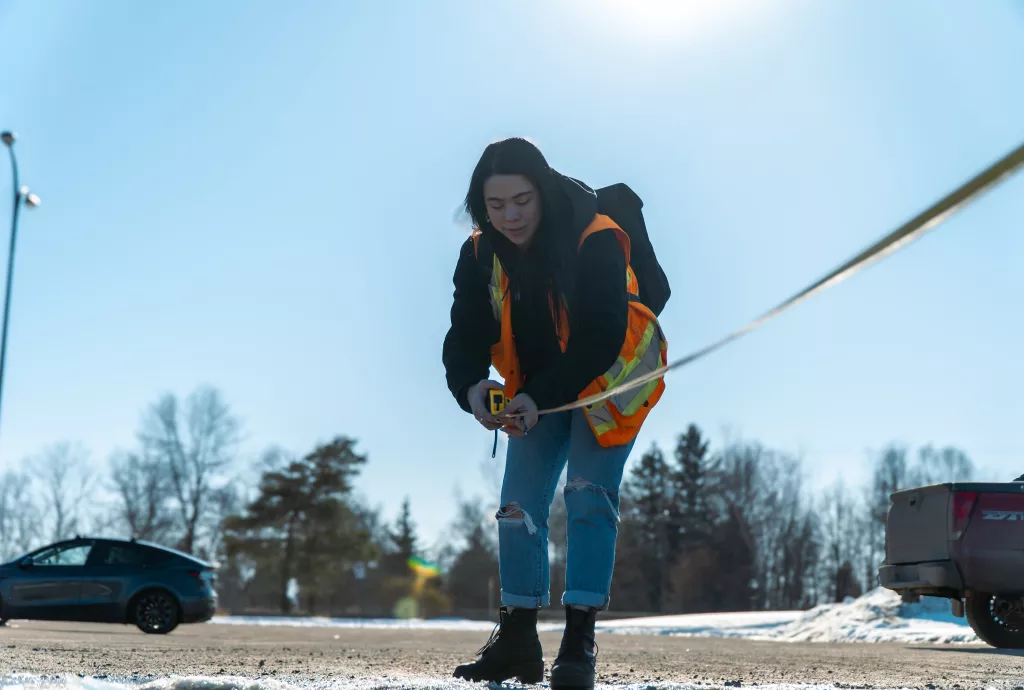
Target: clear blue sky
{"x":260,"y":196}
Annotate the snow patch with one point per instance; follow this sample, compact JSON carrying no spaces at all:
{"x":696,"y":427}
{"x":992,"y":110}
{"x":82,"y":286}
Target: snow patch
{"x":452,"y":624}
{"x":744,"y":624}
{"x":878,"y":616}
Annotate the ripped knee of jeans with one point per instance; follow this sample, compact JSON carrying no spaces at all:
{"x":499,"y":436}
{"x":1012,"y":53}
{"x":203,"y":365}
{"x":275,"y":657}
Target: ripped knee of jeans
{"x":580,"y":484}
{"x":513,"y":514}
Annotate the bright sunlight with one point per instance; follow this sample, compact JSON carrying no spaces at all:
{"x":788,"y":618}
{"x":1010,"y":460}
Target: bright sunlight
{"x":674,"y":20}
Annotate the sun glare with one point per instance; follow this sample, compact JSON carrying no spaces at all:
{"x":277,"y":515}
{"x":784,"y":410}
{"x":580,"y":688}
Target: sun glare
{"x":672,"y":20}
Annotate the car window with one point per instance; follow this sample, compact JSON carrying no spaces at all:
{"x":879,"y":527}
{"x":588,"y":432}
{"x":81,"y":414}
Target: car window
{"x":155,"y":556}
{"x":64,"y":555}
{"x":132,"y":554}
{"x":124,"y":554}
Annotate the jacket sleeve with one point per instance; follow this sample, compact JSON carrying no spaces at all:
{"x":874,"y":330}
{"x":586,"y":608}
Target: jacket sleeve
{"x":467,"y":345}
{"x":598,"y":321}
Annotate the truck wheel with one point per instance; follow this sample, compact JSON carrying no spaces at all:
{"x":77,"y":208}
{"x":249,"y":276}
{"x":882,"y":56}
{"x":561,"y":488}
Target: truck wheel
{"x":997,"y":621}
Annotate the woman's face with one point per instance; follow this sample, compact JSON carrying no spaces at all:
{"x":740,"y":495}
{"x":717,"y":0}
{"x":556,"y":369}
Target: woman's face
{"x":513,"y":206}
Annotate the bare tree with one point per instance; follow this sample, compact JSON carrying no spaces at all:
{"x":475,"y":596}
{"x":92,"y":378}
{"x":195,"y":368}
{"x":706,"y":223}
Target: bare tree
{"x":786,"y":544}
{"x":142,"y":485}
{"x":66,"y":481}
{"x":194,"y":446}
{"x":19,"y":515}
{"x":891,"y":474}
{"x":763,"y":492}
{"x":226,"y":501}
{"x":741,"y":500}
{"x":840,"y":526}
{"x":935,"y":466}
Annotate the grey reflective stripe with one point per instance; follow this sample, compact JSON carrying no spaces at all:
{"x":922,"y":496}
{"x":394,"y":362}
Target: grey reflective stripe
{"x":601,"y":418}
{"x":615,"y":370}
{"x":650,"y":360}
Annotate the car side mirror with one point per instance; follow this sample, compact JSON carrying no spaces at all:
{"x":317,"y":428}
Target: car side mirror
{"x":25,"y":562}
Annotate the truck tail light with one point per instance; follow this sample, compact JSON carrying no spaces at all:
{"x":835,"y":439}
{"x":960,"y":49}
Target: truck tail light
{"x":963,"y":504}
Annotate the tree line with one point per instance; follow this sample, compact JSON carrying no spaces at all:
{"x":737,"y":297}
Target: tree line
{"x":701,"y":529}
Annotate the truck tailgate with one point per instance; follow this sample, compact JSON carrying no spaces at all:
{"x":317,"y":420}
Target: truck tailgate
{"x":917,"y":527}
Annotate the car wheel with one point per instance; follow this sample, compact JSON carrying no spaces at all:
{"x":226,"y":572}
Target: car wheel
{"x":155,"y":612}
{"x":998,"y":621}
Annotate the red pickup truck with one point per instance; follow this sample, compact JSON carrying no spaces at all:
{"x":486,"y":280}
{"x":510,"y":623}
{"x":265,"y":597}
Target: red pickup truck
{"x":965,"y":542}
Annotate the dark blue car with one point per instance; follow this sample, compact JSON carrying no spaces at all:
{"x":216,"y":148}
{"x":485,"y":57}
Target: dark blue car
{"x":109,"y":581}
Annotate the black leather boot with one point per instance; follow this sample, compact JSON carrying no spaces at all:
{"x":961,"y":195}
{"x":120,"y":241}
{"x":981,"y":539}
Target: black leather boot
{"x":577,"y":656}
{"x":513,"y":651}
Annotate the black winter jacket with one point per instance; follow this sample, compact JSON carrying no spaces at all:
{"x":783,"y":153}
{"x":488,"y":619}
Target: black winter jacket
{"x":598,"y":311}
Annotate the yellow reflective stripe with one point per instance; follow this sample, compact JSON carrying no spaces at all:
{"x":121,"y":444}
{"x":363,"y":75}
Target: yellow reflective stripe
{"x":632,"y":364}
{"x":496,"y":296}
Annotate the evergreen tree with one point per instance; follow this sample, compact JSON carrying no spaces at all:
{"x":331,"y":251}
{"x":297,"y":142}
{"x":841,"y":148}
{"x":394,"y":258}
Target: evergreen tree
{"x":473,"y":581}
{"x":694,"y":480}
{"x":736,"y":562}
{"x":402,"y":544}
{"x":302,"y":526}
{"x":647,"y":515}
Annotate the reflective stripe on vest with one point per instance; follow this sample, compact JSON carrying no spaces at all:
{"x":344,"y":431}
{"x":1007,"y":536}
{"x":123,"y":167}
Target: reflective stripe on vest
{"x":495,"y":288}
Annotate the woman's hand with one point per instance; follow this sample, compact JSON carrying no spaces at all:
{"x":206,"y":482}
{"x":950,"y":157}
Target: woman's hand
{"x":522,"y":404}
{"x":478,"y":404}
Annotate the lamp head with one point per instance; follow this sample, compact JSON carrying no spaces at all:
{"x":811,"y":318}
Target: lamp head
{"x":31,"y":200}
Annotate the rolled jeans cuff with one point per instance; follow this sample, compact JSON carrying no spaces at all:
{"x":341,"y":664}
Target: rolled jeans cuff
{"x":581,"y":598}
{"x":523,"y":601}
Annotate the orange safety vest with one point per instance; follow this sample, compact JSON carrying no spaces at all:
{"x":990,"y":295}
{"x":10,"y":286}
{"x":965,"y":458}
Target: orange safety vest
{"x":617,"y":420}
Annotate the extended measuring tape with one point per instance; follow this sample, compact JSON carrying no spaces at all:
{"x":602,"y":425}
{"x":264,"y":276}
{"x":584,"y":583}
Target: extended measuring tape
{"x":913,"y":229}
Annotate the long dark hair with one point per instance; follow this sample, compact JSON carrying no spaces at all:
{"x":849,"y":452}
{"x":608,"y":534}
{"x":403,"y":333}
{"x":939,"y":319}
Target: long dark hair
{"x":552,"y":252}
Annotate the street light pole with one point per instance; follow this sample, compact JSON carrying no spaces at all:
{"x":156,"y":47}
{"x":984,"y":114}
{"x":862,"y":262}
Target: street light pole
{"x":20,"y":195}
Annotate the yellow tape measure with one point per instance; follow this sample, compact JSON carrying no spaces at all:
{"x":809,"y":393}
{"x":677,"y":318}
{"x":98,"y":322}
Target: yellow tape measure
{"x":496,"y":398}
{"x":497,"y":401}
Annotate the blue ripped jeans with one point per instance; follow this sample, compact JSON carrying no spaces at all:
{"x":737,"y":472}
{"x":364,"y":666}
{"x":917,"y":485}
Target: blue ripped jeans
{"x":532,"y":467}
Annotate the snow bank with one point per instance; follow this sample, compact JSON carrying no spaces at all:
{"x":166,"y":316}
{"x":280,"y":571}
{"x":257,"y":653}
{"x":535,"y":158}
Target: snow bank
{"x":880,"y":616}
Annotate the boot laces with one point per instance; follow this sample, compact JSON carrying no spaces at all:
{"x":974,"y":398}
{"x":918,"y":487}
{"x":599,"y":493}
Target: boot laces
{"x":495,"y":633}
{"x":574,"y":642}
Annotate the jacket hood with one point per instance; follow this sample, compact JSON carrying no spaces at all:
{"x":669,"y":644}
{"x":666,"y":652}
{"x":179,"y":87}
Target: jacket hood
{"x":582,"y":200}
